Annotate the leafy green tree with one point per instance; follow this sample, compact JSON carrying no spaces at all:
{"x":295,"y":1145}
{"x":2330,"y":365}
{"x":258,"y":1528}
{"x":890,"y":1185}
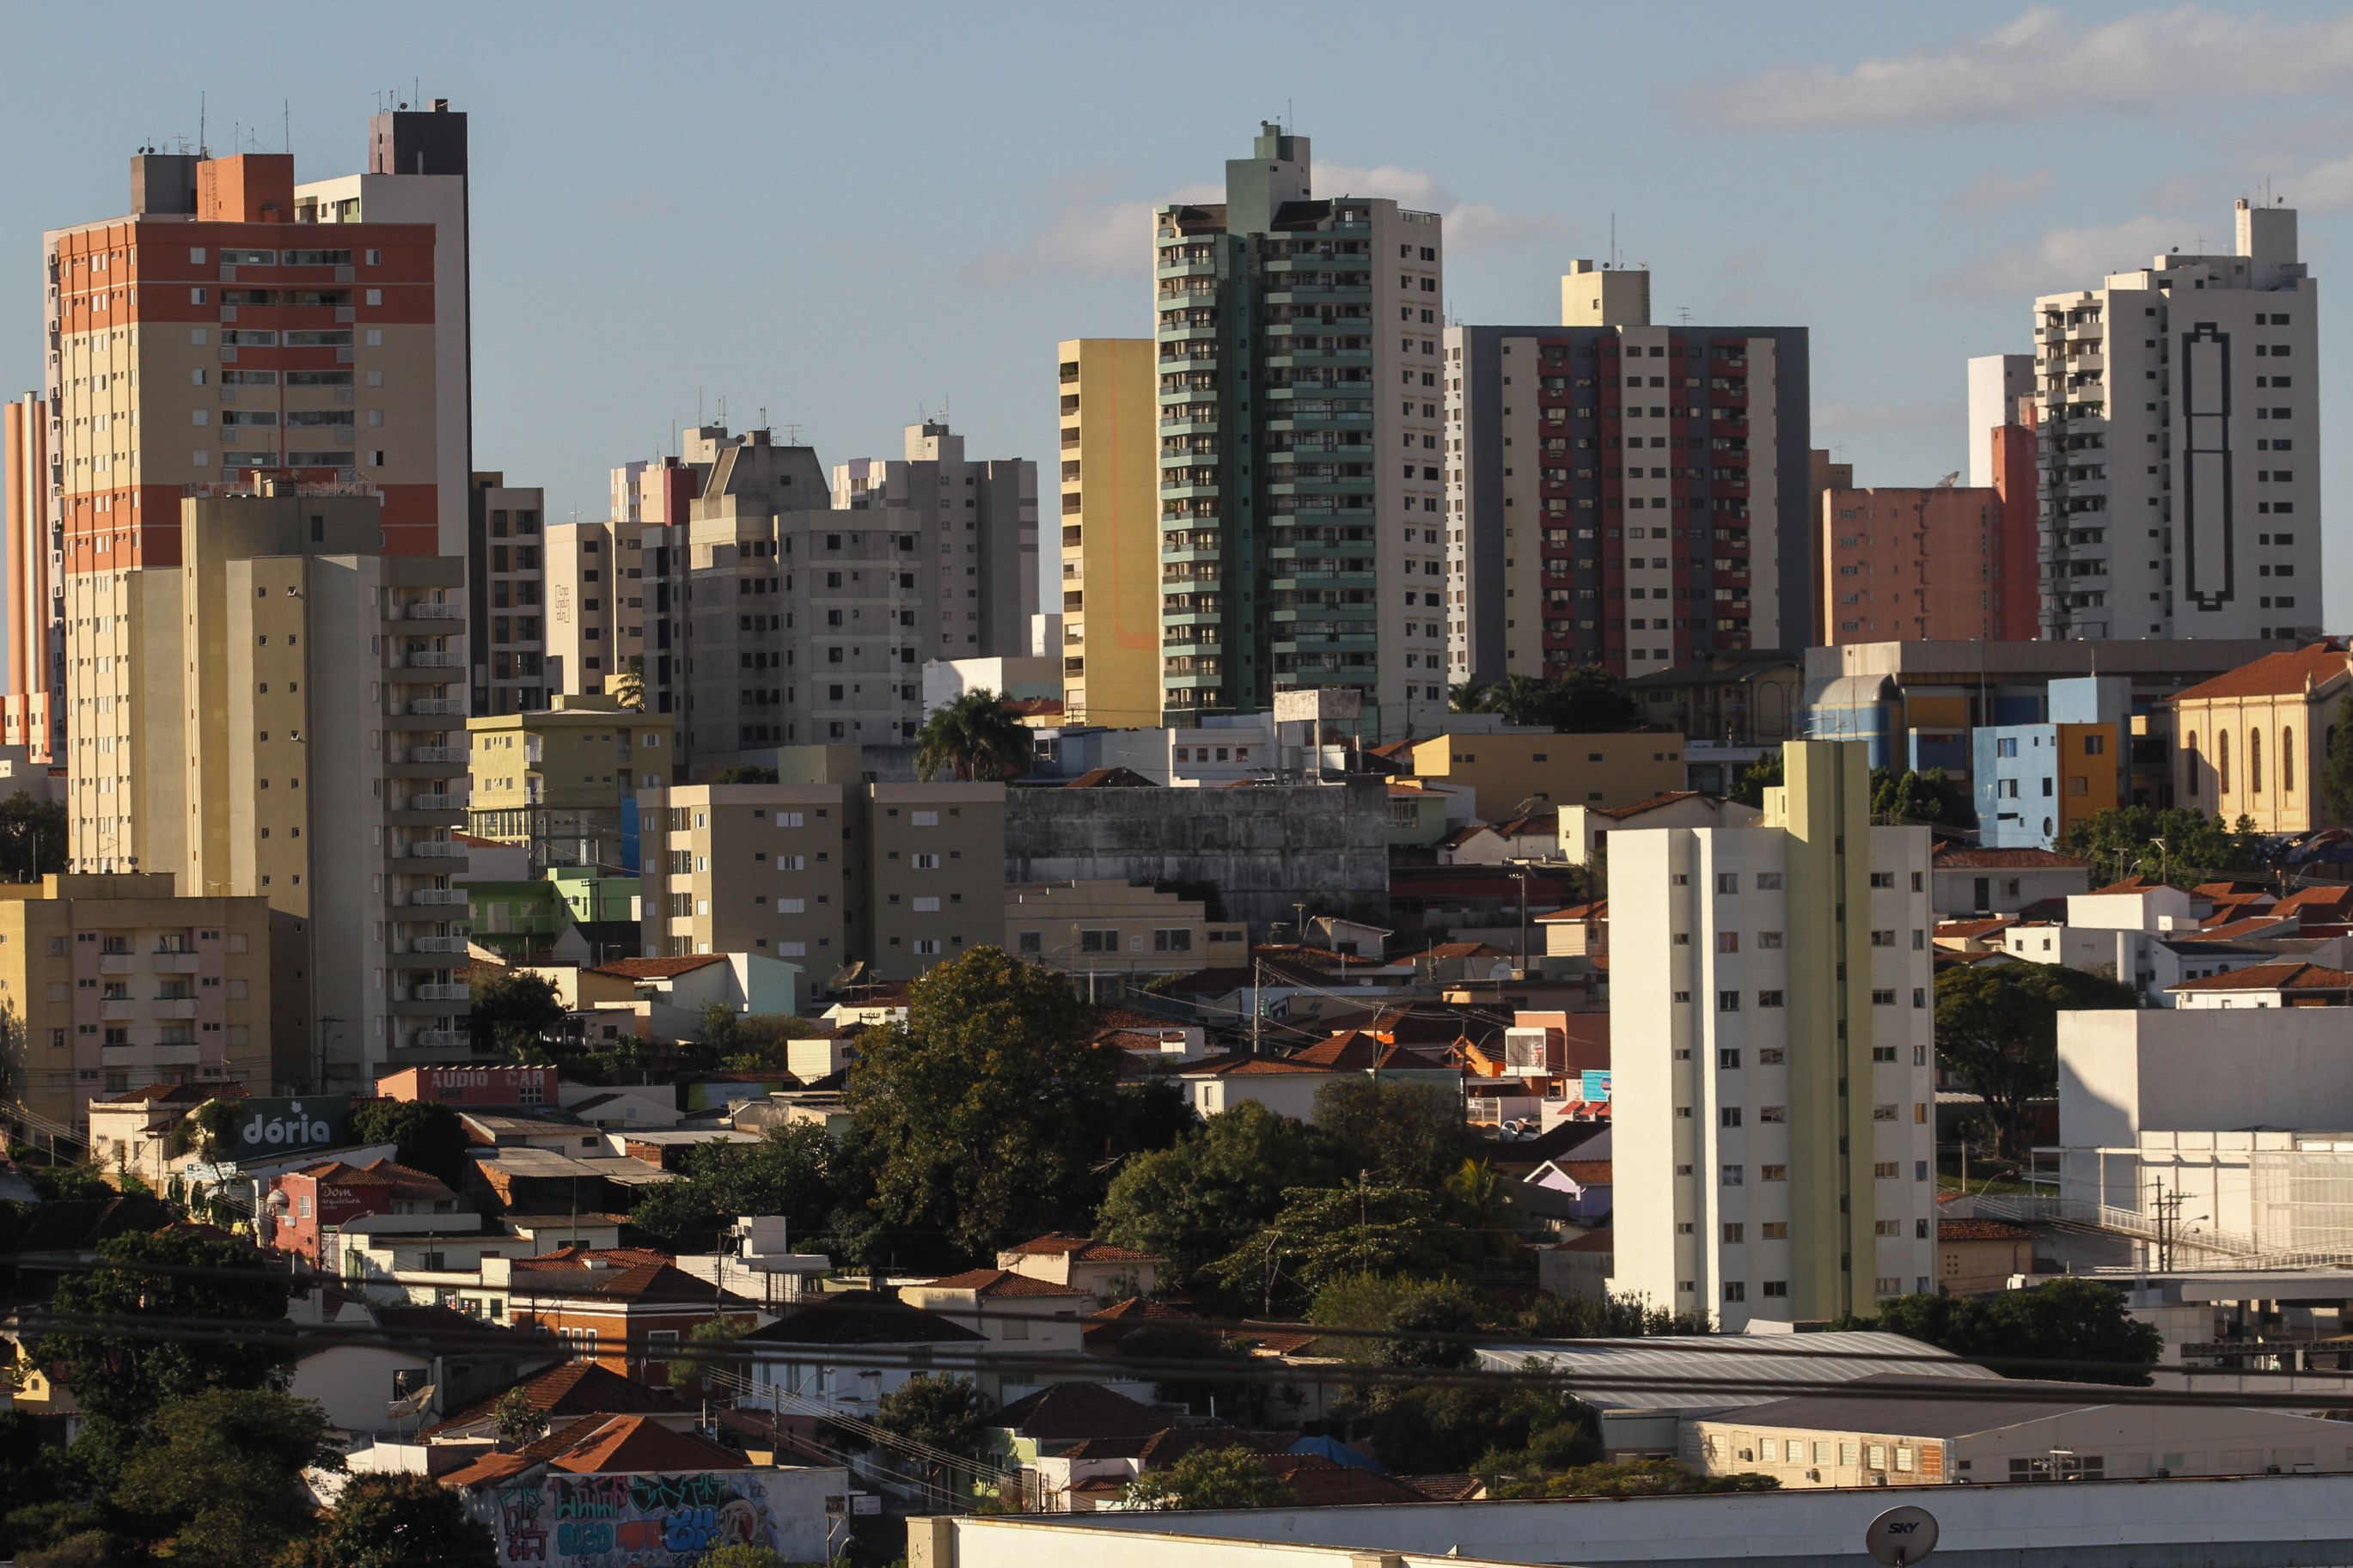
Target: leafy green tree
{"x":221,"y":1477}
{"x":705,"y":1351}
{"x":1229,"y":1476}
{"x":30,"y":1478}
{"x":518,"y":1419}
{"x":762,"y":1047}
{"x":1759,"y":776}
{"x":1413,"y":1134}
{"x":1191,"y":1202}
{"x":1588,"y":701}
{"x":1547,"y":1316}
{"x":1325,"y":1232}
{"x":982,"y":1116}
{"x":2336,"y":774}
{"x":1464,"y":695}
{"x":744,"y":773}
{"x":426,"y":1134}
{"x":516,"y":1015}
{"x":2065,"y":1320}
{"x":2176,"y":845}
{"x":792,"y":1171}
{"x":1909,"y":796}
{"x":1632,"y":1478}
{"x":1997,"y":1033}
{"x":1218,"y":1381}
{"x":1411,"y":1307}
{"x":1485,"y":1427}
{"x":32,"y":837}
{"x":400,"y":1522}
{"x":171,"y":1275}
{"x":1520,"y":698}
{"x":1478,"y":1204}
{"x":974,"y":736}
{"x":936,"y":1410}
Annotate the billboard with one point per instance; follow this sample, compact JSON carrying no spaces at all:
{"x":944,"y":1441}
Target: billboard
{"x":265,"y":1127}
{"x":1595,"y":1085}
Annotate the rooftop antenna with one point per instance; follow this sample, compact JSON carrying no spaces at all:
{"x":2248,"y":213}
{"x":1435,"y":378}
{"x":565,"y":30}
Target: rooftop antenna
{"x":792,"y":435}
{"x":1613,"y":239}
{"x":201,"y":151}
{"x":1682,"y":313}
{"x":286,"y":125}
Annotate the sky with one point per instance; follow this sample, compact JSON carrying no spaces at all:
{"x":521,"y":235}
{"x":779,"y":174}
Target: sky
{"x":845,"y":217}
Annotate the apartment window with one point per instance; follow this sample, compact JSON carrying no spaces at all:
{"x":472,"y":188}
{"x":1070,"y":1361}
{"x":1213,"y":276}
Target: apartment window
{"x":1883,"y":1113}
{"x":1728,"y":1059}
{"x":924,"y":862}
{"x":1772,"y":1173}
{"x":1768,"y":998}
{"x":1883,"y":998}
{"x":1769,"y":941}
{"x":927,"y":946}
{"x":1772,"y":1113}
{"x":1733,"y":1291}
{"x":792,"y":906}
{"x":1727,"y":1001}
{"x":1771,"y":1056}
{"x":1727,"y":881}
{"x":1773,"y":1230}
{"x":1887,"y":1170}
{"x":1028,"y":944}
{"x":1769,"y":881}
{"x":1728,"y":1116}
{"x":1733,"y":1175}
{"x":788,"y":819}
{"x":1727,"y":941}
{"x":1882,"y":939}
{"x":1779,"y":1286}
{"x":1887,"y":1228}
{"x":1732,"y":1235}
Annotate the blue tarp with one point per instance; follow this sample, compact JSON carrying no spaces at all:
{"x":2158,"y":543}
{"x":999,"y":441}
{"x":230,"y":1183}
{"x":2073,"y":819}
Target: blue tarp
{"x":1339,"y":1453}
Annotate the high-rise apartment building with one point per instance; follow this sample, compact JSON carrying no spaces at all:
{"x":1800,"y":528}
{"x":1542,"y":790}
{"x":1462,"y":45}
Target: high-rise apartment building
{"x":282,"y":715}
{"x":115,"y":982}
{"x":1110,"y":519}
{"x":30,"y":714}
{"x":1772,"y":1076}
{"x":1622,"y":493}
{"x":2178,"y":413}
{"x":1303,"y":540}
{"x":1998,"y":385}
{"x":506,"y":595}
{"x":1916,"y":565}
{"x":827,"y":873}
{"x":738,"y":599}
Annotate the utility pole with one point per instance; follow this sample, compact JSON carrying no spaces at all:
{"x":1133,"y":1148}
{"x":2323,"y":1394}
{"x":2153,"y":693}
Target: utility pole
{"x":1258,"y":1001}
{"x":2168,"y":1224}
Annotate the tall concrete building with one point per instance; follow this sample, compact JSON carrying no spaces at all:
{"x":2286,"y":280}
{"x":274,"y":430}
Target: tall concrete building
{"x":1916,"y":565}
{"x":762,"y":617}
{"x":1622,"y":493}
{"x":280,"y":714}
{"x":1772,"y":1083}
{"x":506,"y":595}
{"x":1998,"y":385}
{"x":562,"y":781}
{"x":1302,"y":543}
{"x":1110,"y":519}
{"x":2179,"y":410}
{"x":31,"y":716}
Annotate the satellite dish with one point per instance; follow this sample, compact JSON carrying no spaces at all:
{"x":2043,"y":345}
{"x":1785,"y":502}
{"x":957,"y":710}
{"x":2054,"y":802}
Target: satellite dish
{"x":1901,"y":1536}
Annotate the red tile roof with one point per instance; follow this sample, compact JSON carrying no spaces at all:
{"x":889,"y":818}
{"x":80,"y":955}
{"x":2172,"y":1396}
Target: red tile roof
{"x":1080,"y":1248}
{"x":1620,"y":812}
{"x":1354,"y":1050}
{"x":1121,"y":1319}
{"x":617,"y":1274}
{"x":1111,"y":778}
{"x":1000,"y":1282}
{"x":402,"y":1180}
{"x":573,"y":1388}
{"x":2272,"y":977}
{"x":1967,"y":929}
{"x":1602,"y":1240}
{"x":1980,"y":1230}
{"x":1234,"y":1065}
{"x":1950,"y":857}
{"x":2285,"y":674}
{"x":177,"y":1094}
{"x":1074,"y":1410}
{"x":1585,"y":1172}
{"x":632,"y":1445}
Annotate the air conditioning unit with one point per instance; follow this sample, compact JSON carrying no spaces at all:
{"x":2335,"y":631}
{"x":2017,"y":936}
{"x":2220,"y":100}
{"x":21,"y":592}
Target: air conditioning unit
{"x":2271,"y":1469}
{"x":2163,"y":1472}
{"x":1878,"y":1480}
{"x":1747,"y":1453}
{"x":1813,"y":1475}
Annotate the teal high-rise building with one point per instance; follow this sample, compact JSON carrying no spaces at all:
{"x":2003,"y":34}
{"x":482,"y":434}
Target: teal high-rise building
{"x":1302,"y":449}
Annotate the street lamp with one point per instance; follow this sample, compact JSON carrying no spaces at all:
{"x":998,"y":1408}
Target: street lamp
{"x":1521,"y":877}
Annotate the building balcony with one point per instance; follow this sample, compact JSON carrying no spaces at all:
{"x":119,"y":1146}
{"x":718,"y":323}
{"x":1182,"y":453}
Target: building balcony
{"x":173,"y":961}
{"x":439,"y":706}
{"x":173,"y":1007}
{"x":439,"y":944}
{"x":437,"y":898}
{"x":118,"y":1010}
{"x":432,"y":800}
{"x":425,"y":1007}
{"x":432,"y":659}
{"x":440,"y":993}
{"x":116,"y":962}
{"x":438,"y":1040}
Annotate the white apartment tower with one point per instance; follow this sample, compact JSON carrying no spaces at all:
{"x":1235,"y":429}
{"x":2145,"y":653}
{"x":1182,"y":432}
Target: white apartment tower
{"x":2180,"y":408}
{"x":1772,"y":1050}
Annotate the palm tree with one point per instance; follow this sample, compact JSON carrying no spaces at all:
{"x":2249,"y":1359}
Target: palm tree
{"x":1520,"y":698}
{"x":1463,"y":696}
{"x":973,"y":737}
{"x":629,"y":686}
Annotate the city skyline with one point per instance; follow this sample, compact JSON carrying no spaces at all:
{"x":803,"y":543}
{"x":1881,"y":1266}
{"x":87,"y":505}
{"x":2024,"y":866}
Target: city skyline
{"x":929,"y":248}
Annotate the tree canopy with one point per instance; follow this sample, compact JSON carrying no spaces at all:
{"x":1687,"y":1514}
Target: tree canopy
{"x":171,"y":1275}
{"x":1911,"y":796}
{"x":796,"y":1171}
{"x":1764,"y":774}
{"x":974,"y":736}
{"x":32,"y":837}
{"x":2336,"y":774}
{"x":221,"y":1478}
{"x":1997,"y":1033}
{"x":1413,"y":1134}
{"x":982,"y":1117}
{"x":427,"y":1135}
{"x":1226,"y":1476}
{"x":2176,"y":845}
{"x":1585,"y":701}
{"x":516,"y":1015}
{"x":399,"y":1522}
{"x":1322,"y":1233}
{"x":1192,"y":1201}
{"x":2072,"y":1320}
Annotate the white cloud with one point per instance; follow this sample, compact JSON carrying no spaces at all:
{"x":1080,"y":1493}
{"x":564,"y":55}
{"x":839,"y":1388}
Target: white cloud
{"x":2070,"y":258}
{"x":2045,"y":63}
{"x":1988,"y":191}
{"x":1089,"y":234}
{"x":1093,"y":232}
{"x":1470,"y":226}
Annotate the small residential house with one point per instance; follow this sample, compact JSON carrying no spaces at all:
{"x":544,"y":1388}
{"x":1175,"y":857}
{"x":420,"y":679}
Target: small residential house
{"x":1037,"y":1316}
{"x":1967,"y":880}
{"x":1583,"y":831}
{"x":1095,"y":1269}
{"x":311,"y":1204}
{"x":627,"y":1307}
{"x":843,"y":1351}
{"x":1977,"y":1256}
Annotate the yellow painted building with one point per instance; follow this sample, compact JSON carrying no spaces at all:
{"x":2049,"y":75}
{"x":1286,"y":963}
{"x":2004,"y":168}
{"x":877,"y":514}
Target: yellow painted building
{"x":1110,"y":523}
{"x":109,"y":983}
{"x":1116,"y":928}
{"x":2252,"y":742}
{"x":1506,"y":772}
{"x":557,"y":780}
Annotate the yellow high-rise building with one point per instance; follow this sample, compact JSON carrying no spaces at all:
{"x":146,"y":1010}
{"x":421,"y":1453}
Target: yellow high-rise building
{"x":1111,"y":532}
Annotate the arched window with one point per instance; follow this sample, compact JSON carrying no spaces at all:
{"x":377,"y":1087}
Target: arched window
{"x":2254,"y":762}
{"x":2222,"y":763}
{"x":2287,"y":759}
{"x":2190,"y":750}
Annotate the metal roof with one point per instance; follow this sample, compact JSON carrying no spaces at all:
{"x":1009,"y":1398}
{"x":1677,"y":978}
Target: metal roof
{"x":1674,"y":1365}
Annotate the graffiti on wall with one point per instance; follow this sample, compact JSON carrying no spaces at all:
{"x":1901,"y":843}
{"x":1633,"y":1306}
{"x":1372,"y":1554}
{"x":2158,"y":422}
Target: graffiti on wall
{"x":630,"y":1521}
